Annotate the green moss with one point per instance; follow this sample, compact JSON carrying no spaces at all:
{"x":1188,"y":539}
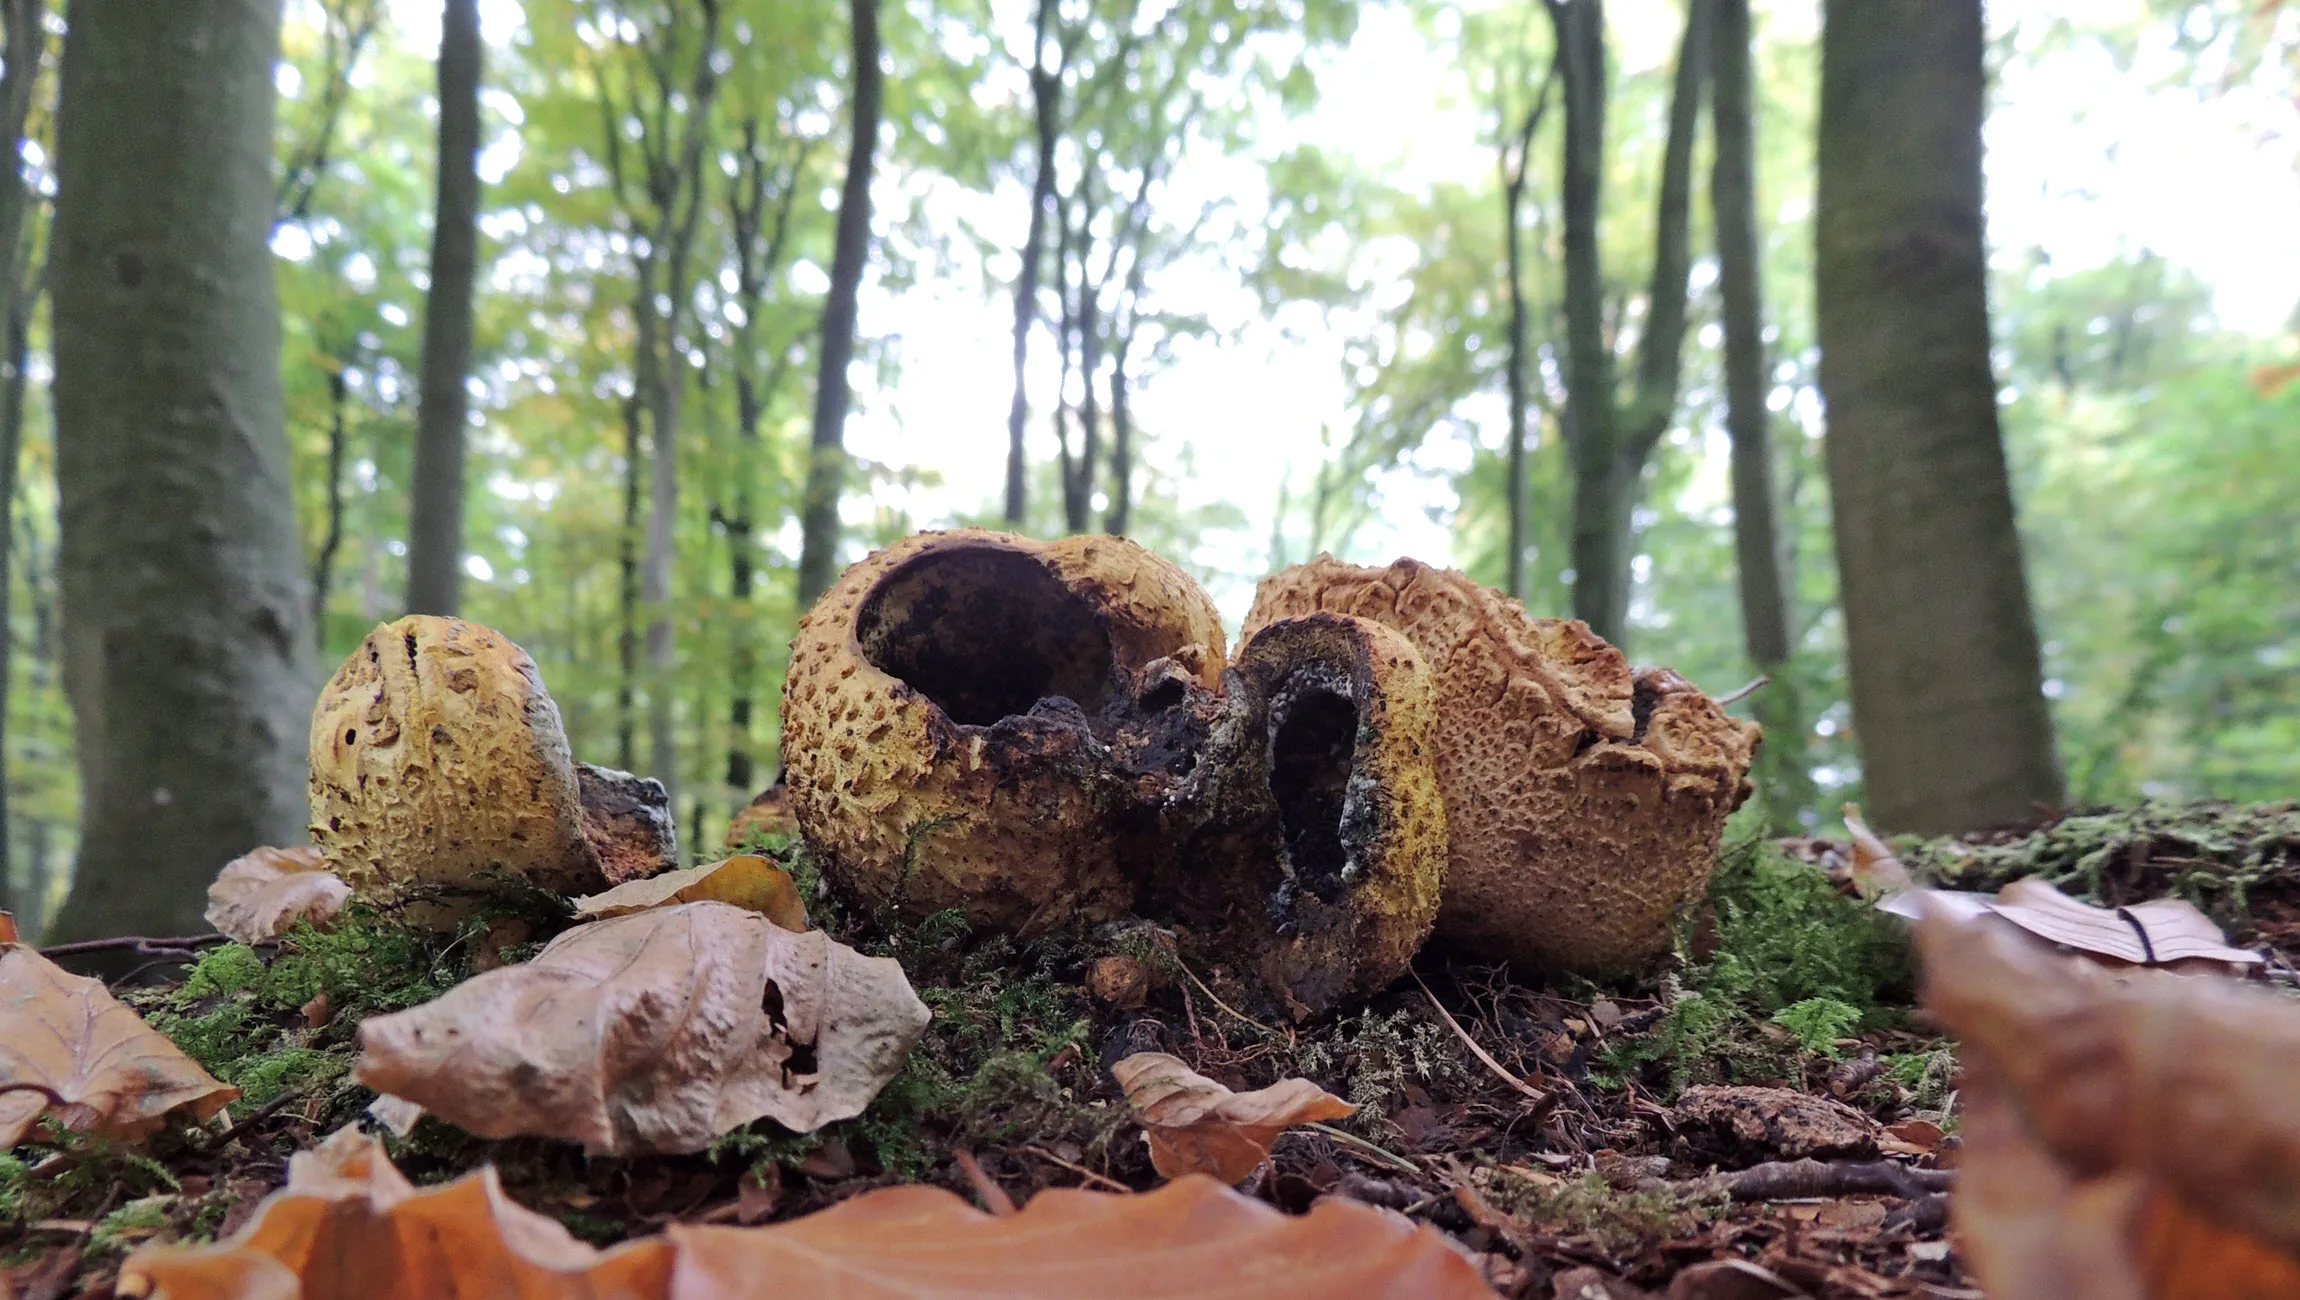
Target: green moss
{"x":1818,"y":1023}
{"x":1371,"y":1058}
{"x":123,"y":1227}
{"x":14,"y":1174}
{"x":1617,"y":1221}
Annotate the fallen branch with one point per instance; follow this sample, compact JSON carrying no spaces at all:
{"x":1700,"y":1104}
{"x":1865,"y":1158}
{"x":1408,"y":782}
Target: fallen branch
{"x":1745,"y":692}
{"x":1391,"y":1158}
{"x":258,"y":1115}
{"x":1791,"y":1180}
{"x":1538,"y":1097}
{"x":1078,"y":1169}
{"x":992,"y":1196}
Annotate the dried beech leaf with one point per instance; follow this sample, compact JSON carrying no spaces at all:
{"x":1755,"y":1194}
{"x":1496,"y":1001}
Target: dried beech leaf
{"x":7,"y":927}
{"x":348,"y":1226}
{"x":1197,"y":1126}
{"x":2159,"y":933}
{"x":656,"y":1031}
{"x":66,"y":1034}
{"x":2128,"y":1133}
{"x":259,"y":896}
{"x":1876,"y":872}
{"x":746,"y":880}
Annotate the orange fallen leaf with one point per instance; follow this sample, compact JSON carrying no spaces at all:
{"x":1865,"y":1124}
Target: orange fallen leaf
{"x":2128,"y":1133}
{"x":2162,"y":932}
{"x":72,"y":1051}
{"x":656,"y":1031}
{"x":1876,"y":872}
{"x":348,"y":1225}
{"x":745,"y":880}
{"x":259,"y":896}
{"x":1196,"y":1126}
{"x":7,"y":927}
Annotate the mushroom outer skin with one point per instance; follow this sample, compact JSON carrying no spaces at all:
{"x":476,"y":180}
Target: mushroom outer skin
{"x":437,"y":754}
{"x":1308,"y":847}
{"x":949,"y":714}
{"x":1584,"y":802}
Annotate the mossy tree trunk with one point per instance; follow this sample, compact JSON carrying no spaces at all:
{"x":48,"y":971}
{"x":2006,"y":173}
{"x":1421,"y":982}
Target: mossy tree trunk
{"x":1954,"y":732}
{"x":186,"y":642}
{"x":435,"y":527}
{"x":20,"y":62}
{"x":826,"y":463}
{"x":1768,"y":591}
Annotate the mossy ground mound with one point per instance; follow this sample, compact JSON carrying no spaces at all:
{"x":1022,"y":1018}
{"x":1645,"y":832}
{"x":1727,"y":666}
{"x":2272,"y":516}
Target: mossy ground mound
{"x":1780,"y":981}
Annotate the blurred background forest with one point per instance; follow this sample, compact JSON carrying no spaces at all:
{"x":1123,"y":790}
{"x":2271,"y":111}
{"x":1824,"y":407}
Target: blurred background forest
{"x":1236,"y":278}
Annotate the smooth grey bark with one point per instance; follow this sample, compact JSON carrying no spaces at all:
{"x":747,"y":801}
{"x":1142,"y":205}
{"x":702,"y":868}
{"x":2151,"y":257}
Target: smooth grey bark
{"x":186,"y":647}
{"x":1046,"y":109}
{"x":826,"y":461}
{"x":435,"y":524}
{"x":1768,"y":605}
{"x":1609,"y":441}
{"x":1078,"y":474}
{"x":26,"y":50}
{"x":323,"y":564}
{"x":1955,"y":734}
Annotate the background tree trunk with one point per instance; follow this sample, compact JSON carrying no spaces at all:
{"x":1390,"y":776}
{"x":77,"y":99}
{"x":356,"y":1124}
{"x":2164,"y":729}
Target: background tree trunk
{"x":826,"y":466}
{"x":1954,"y":732}
{"x":1768,"y":600}
{"x":27,"y":43}
{"x":1046,"y":106}
{"x":1516,"y":163}
{"x":435,"y":524}
{"x":185,"y":602}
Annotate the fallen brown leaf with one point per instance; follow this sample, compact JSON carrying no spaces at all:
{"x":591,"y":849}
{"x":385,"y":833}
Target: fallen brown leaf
{"x":72,"y":1051}
{"x":656,"y":1031}
{"x":1196,"y":1126}
{"x":2127,"y":1133}
{"x":259,"y":896}
{"x":1779,"y":1120}
{"x":7,"y":928}
{"x":745,"y":880}
{"x":348,"y":1225}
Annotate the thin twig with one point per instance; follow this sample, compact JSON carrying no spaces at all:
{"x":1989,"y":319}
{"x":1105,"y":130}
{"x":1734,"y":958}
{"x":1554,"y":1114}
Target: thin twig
{"x":137,"y":944}
{"x":1391,"y":1158}
{"x":260,"y":1113}
{"x":1746,"y":691}
{"x":1528,"y":1090}
{"x":1080,"y":1170}
{"x":994,"y":1197}
{"x":1226,"y":1006}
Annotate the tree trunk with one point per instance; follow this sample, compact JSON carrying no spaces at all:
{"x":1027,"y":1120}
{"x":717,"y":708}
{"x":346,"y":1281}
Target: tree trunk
{"x":323,"y":564}
{"x":1046,"y":103}
{"x":1117,"y":518}
{"x":1514,"y":168}
{"x":1609,"y":445}
{"x":1768,"y":608}
{"x":1089,"y":363}
{"x":435,"y":524}
{"x":20,"y":21}
{"x":826,"y":465}
{"x":185,"y":600}
{"x":1955,"y":734}
{"x":627,"y":594}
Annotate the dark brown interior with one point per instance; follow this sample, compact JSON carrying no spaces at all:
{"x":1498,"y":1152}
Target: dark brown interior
{"x":986,"y":634}
{"x":1313,"y":740}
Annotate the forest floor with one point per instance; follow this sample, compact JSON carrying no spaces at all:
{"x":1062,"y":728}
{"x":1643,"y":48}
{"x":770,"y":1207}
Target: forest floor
{"x":1615,"y":1162}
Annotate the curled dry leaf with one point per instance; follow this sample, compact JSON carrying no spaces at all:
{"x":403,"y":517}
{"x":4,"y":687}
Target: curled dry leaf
{"x":72,"y":1051}
{"x":2127,"y":1133}
{"x":1196,"y":1126}
{"x":656,"y":1031}
{"x":259,"y":896}
{"x":745,"y":880}
{"x":347,"y":1225}
{"x":7,"y":927}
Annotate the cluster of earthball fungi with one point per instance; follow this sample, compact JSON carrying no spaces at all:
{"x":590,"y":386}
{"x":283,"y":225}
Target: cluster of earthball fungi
{"x":1051,"y":737}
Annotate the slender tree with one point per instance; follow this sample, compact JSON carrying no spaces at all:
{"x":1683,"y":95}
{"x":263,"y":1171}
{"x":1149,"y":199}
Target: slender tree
{"x":435,"y":528}
{"x":826,"y":461}
{"x":1955,"y":734}
{"x":1768,"y":609}
{"x":1046,"y":116}
{"x":1516,"y":157}
{"x":186,"y":650}
{"x":20,"y":63}
{"x":1607,"y":440}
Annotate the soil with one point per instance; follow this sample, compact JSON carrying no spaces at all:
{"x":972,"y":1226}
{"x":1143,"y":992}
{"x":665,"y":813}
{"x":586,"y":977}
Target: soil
{"x":1612,"y":1161}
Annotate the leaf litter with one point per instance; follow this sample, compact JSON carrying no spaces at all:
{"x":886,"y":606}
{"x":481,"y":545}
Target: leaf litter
{"x":1789,"y":984}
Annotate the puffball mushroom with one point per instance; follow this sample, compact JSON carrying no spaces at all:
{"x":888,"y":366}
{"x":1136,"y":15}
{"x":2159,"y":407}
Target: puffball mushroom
{"x":436,"y":754}
{"x":981,"y":721}
{"x":1584,"y":802}
{"x":1308,"y":844}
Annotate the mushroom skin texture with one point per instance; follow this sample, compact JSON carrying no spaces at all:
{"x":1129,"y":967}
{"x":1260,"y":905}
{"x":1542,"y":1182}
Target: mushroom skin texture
{"x":981,"y":721}
{"x":436,"y":754}
{"x":1308,"y":847}
{"x":1584,"y":802}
